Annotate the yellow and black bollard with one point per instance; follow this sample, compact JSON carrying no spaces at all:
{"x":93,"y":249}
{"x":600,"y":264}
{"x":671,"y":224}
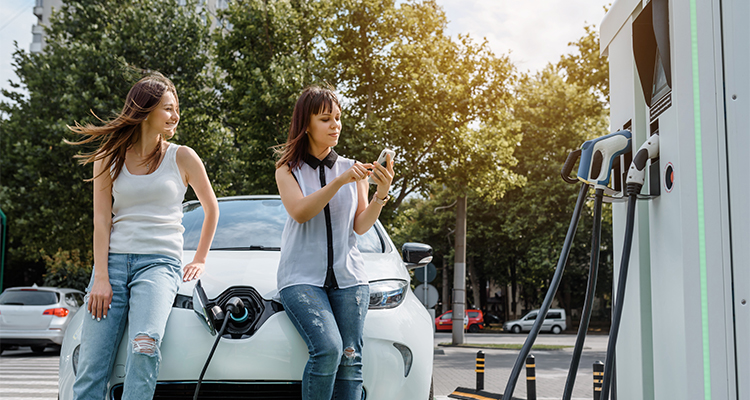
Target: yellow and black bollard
{"x":598,"y":376}
{"x":530,"y":377}
{"x":480,"y":370}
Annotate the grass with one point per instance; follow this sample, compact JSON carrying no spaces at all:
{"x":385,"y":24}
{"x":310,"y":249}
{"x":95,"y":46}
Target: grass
{"x":508,"y":346}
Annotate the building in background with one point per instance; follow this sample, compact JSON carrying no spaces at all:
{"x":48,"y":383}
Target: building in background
{"x":43,"y":9}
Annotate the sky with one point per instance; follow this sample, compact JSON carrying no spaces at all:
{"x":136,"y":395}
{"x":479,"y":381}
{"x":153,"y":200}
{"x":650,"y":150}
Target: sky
{"x":532,"y":32}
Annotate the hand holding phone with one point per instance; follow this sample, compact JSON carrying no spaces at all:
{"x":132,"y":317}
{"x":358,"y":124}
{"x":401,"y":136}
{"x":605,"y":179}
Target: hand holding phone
{"x":382,"y":160}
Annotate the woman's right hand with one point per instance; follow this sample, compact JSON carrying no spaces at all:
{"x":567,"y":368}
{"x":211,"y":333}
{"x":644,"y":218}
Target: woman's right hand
{"x":356,"y":173}
{"x":100,"y":298}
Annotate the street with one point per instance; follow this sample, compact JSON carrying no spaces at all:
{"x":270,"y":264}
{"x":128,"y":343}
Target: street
{"x":28,"y":376}
{"x":25,"y":375}
{"x":455,"y":368}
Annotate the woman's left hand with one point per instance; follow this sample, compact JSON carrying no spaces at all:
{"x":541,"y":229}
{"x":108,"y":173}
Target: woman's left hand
{"x":193,"y":271}
{"x":383,"y":176}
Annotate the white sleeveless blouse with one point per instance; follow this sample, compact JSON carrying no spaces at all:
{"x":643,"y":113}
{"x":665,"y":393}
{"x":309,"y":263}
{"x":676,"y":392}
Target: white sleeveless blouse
{"x":147,"y":210}
{"x":305,"y":247}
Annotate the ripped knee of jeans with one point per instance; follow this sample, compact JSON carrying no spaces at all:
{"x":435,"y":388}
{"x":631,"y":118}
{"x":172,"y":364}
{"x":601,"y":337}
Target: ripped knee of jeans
{"x":349,"y":352}
{"x":145,"y":344}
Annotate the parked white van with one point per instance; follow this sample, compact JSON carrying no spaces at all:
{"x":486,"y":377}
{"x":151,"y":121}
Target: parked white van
{"x":555,"y":322}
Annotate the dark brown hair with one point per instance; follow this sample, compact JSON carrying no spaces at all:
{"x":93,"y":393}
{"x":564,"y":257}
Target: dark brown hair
{"x":118,"y":135}
{"x":313,"y":100}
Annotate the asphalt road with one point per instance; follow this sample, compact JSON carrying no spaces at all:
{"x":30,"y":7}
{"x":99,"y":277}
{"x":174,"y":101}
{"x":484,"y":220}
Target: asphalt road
{"x":455,"y":367}
{"x":25,"y":375}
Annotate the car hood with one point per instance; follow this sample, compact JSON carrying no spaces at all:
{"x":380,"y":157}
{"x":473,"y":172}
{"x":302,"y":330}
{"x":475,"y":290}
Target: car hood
{"x":257,"y":269}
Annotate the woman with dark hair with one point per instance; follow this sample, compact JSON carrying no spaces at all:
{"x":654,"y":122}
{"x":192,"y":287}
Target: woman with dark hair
{"x":140,"y":182}
{"x":321,"y":277}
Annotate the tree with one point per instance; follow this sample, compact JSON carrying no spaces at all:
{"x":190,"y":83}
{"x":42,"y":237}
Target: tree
{"x":517,"y":240}
{"x":96,"y":49}
{"x":267,"y":57}
{"x":437,"y":102}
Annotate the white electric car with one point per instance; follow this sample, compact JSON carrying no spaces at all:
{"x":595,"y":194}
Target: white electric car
{"x":261,"y":355}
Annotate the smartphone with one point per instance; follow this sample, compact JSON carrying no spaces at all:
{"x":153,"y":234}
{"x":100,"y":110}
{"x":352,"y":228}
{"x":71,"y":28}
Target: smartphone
{"x":381,"y":160}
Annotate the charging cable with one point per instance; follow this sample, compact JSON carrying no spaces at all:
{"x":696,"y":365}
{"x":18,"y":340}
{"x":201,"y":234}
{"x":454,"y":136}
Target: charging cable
{"x":588,"y":304}
{"x":554,"y":284}
{"x":234,"y":308}
{"x":634,"y":183}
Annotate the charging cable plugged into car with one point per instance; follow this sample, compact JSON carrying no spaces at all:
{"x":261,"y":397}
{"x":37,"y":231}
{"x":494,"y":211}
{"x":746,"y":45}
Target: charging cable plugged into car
{"x":234,"y":309}
{"x":230,"y":316}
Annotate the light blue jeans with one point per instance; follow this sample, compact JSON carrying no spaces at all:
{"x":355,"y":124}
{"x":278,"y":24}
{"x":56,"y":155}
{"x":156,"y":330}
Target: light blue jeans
{"x":143,"y":291}
{"x":331,"y":322}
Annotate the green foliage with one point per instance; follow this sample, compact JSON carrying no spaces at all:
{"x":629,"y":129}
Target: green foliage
{"x":412,"y":88}
{"x":461,"y":120}
{"x":267,"y":57}
{"x":587,"y":67}
{"x":517,"y":240}
{"x":96,"y":50}
{"x":68,"y":269}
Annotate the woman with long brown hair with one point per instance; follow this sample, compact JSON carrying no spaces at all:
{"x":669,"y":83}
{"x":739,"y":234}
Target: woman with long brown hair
{"x":140,"y":181}
{"x":321,"y":278}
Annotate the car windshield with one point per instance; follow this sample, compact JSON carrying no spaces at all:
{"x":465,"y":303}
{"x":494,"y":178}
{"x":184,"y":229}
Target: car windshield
{"x":254,"y":224}
{"x":28,"y":298}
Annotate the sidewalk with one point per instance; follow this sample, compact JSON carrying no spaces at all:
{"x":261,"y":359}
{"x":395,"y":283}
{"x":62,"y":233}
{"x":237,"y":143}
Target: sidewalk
{"x":455,"y":366}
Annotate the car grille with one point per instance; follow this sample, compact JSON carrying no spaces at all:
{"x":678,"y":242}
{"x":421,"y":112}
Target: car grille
{"x":223,"y":391}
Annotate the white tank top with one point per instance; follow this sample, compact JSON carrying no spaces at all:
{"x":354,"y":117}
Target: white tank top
{"x":147,"y":210}
{"x":305,"y":248}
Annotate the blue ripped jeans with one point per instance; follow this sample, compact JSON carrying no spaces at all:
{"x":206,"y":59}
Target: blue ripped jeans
{"x":331,"y":321}
{"x":143,"y":291}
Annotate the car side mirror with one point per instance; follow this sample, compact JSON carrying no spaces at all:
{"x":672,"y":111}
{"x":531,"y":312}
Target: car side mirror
{"x":416,"y":254}
{"x":200,"y":306}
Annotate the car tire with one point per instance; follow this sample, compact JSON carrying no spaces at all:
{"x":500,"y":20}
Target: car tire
{"x":516,"y":329}
{"x":473,"y":328}
{"x":556,"y":330}
{"x":37,"y":349}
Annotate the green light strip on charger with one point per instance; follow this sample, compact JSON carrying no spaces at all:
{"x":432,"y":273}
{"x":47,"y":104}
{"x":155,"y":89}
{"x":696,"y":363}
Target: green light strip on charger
{"x":699,"y":196}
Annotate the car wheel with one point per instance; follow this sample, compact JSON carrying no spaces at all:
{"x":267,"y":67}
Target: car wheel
{"x":474,"y":328}
{"x":516,"y":329}
{"x":37,"y":349}
{"x":556,"y":329}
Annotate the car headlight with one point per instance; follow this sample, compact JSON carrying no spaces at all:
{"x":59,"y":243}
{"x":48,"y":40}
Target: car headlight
{"x":387,"y":294}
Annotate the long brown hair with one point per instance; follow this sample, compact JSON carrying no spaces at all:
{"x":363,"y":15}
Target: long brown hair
{"x":313,"y":100}
{"x":118,"y":135}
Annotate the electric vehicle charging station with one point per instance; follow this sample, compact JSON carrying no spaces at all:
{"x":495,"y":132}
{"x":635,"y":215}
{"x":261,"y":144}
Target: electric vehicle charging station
{"x":680,"y":69}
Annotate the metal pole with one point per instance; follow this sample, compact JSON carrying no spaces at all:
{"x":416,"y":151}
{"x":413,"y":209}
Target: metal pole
{"x":459,"y":273}
{"x":480,"y":370}
{"x":424,"y":288}
{"x":598,"y":375}
{"x":530,"y":377}
{"x":446,"y":298}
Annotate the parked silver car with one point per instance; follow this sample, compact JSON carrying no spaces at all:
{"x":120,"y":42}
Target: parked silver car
{"x":554,"y":322}
{"x":36,"y":316}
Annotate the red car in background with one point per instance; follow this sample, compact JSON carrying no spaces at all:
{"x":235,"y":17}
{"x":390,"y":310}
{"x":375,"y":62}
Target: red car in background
{"x":444,"y":322}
